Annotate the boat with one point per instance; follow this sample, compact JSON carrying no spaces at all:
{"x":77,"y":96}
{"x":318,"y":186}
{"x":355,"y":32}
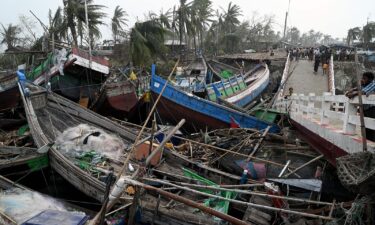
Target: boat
{"x":240,"y":89}
{"x":21,"y":160}
{"x":20,"y":205}
{"x":120,"y":95}
{"x":9,"y":94}
{"x":176,"y":104}
{"x":80,"y":76}
{"x":49,"y":115}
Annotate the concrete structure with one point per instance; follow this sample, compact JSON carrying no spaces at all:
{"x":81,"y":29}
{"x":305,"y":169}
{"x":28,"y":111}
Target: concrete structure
{"x":329,"y":123}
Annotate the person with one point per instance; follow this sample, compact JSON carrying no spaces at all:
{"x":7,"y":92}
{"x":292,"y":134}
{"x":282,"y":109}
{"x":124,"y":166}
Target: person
{"x":289,"y":94}
{"x":367,"y":87}
{"x":317,"y":61}
{"x":325,"y":68}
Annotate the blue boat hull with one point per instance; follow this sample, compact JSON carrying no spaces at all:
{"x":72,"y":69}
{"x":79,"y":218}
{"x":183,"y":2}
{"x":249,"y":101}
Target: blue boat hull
{"x":200,"y":113}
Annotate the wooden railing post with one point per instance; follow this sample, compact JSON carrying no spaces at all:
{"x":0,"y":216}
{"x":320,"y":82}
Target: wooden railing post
{"x":350,"y":109}
{"x":325,"y":107}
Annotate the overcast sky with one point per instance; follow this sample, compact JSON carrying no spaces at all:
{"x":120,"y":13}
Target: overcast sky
{"x":332,"y":17}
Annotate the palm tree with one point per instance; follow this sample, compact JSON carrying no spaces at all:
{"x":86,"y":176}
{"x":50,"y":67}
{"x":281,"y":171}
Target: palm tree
{"x":57,"y":25}
{"x":10,"y":35}
{"x":146,"y":41}
{"x":118,"y":21}
{"x":202,"y":10}
{"x":183,"y":21}
{"x":75,"y":18}
{"x":231,"y":16}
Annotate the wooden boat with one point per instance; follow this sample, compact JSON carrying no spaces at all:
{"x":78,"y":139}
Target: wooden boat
{"x":176,"y":104}
{"x":21,"y":159}
{"x":9,"y":93}
{"x":48,"y":115}
{"x":194,"y":77}
{"x":240,"y":89}
{"x":221,"y":70}
{"x":120,"y":96}
{"x":82,"y":78}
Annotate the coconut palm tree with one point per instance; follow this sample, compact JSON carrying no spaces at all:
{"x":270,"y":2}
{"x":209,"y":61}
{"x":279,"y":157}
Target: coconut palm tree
{"x":57,"y":25}
{"x":10,"y":35}
{"x":75,"y":17}
{"x":146,"y":41}
{"x":183,"y":19}
{"x":118,"y":22}
{"x":231,"y":15}
{"x":202,"y":11}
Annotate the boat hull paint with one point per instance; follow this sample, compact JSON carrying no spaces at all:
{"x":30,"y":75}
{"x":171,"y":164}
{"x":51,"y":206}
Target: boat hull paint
{"x":252,"y":92}
{"x":173,"y":113}
{"x":200,"y":112}
{"x":319,"y":144}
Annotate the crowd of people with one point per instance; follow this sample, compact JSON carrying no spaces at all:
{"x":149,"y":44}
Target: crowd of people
{"x":320,"y":56}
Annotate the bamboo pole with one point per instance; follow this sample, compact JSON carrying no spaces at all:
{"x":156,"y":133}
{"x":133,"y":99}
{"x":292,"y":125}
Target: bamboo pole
{"x":302,"y":166}
{"x":130,"y":153}
{"x":259,"y":143}
{"x":229,"y":151}
{"x":279,"y":210}
{"x":188,"y":202}
{"x":165,"y":140}
{"x":145,"y":123}
{"x":218,"y":188}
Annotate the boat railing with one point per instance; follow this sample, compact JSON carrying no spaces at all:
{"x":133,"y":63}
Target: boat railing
{"x":337,"y":111}
{"x":284,"y":78}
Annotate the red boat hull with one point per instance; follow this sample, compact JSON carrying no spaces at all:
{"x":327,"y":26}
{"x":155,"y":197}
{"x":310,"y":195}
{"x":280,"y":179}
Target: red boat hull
{"x":319,"y":144}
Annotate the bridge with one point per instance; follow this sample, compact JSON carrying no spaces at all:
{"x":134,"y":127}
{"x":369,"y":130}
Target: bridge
{"x":328,"y":122}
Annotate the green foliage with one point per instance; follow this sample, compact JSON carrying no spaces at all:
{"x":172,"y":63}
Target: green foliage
{"x":74,"y":12}
{"x":147,"y":42}
{"x":10,"y":35}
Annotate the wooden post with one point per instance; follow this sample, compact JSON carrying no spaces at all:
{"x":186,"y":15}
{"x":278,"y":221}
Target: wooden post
{"x":108,"y":183}
{"x":133,"y":207}
{"x":361,"y":113}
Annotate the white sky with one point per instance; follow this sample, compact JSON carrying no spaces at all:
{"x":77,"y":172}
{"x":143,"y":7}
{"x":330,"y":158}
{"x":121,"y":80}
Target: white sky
{"x":332,"y":17}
